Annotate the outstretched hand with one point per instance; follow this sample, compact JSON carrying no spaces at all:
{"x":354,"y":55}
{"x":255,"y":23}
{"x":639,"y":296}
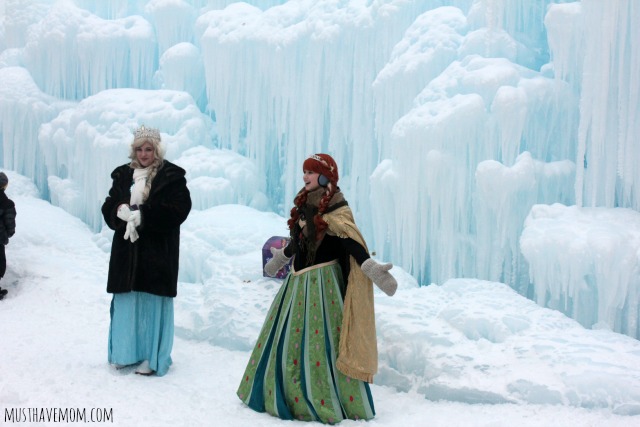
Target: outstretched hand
{"x":379,"y":274}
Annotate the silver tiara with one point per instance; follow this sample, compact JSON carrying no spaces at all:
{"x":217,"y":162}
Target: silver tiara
{"x":144,"y":132}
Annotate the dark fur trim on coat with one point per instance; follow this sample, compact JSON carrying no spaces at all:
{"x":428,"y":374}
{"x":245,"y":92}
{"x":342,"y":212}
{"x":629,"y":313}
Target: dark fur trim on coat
{"x":151,"y":263}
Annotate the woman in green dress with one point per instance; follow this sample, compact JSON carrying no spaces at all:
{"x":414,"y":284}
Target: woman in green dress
{"x":317,"y":353}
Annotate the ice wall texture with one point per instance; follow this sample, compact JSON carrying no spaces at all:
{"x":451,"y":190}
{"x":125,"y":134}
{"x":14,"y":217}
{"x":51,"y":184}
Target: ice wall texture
{"x":595,"y":277}
{"x":584,"y":262}
{"x":449,"y":120}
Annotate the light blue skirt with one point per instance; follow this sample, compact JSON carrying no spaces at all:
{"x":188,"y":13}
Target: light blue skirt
{"x":141,"y":329}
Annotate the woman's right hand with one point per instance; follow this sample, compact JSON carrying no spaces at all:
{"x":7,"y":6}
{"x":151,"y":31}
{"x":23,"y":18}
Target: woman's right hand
{"x":278,"y":261}
{"x":124,"y":212}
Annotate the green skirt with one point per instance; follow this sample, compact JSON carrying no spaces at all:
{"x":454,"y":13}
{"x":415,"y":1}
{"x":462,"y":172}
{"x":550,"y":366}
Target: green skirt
{"x":292,"y":371}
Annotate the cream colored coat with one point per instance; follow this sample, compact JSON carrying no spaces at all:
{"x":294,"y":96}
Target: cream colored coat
{"x":358,"y":350}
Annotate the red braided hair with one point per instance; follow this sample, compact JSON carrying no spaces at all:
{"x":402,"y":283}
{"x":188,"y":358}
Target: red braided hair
{"x":321,"y":225}
{"x":298,"y":202}
{"x":325,"y":165}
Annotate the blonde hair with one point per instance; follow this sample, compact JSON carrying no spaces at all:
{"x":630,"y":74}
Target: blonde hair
{"x":154,"y":167}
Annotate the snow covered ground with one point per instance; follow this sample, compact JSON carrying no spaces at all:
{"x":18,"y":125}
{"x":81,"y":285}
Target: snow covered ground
{"x":465,"y":353}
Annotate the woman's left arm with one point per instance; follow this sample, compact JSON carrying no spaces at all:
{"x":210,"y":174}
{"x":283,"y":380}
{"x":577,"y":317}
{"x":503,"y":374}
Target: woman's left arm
{"x":168,"y":210}
{"x":378,"y":273}
{"x":355,"y":249}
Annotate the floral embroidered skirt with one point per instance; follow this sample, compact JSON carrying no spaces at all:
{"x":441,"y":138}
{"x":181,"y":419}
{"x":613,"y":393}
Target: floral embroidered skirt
{"x":291,"y":373}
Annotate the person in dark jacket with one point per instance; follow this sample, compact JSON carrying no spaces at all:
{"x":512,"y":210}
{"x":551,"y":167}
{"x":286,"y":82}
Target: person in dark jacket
{"x":7,"y":225}
{"x":147,"y":202}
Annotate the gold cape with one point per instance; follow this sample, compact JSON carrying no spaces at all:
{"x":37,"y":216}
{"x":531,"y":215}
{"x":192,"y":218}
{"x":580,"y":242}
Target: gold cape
{"x":358,"y":350}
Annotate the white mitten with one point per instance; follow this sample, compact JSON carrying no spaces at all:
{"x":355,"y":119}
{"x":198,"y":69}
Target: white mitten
{"x":131,"y":233}
{"x":276,"y":263}
{"x":379,"y":274}
{"x":124,"y":212}
{"x":135,"y":217}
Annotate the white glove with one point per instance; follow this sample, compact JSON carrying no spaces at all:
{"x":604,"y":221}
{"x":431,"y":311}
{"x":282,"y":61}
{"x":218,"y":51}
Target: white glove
{"x":124,"y":212}
{"x":135,"y":217}
{"x":379,"y":274}
{"x":276,"y":263}
{"x":133,"y":220}
{"x":131,"y":233}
